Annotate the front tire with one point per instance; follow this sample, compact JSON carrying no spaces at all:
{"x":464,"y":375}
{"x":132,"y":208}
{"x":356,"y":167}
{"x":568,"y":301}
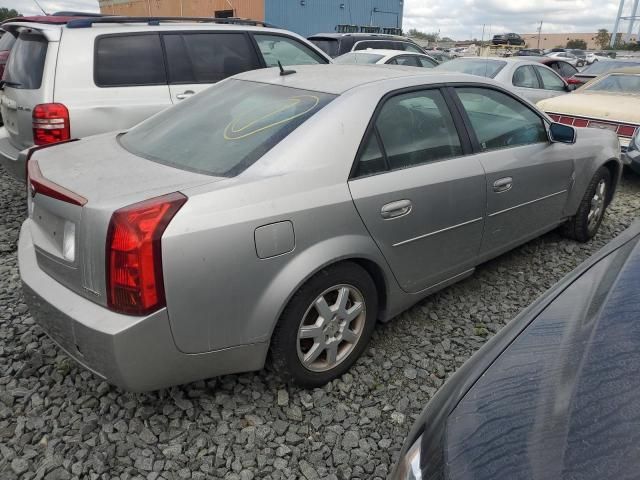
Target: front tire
{"x":584,"y":225}
{"x":326,"y":326}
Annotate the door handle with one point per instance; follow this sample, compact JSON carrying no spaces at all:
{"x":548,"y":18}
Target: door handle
{"x":185,"y":94}
{"x":396,"y":209}
{"x":503,"y":185}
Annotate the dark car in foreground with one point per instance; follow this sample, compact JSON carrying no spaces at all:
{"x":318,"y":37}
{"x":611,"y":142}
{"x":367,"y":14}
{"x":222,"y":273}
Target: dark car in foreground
{"x":600,"y":68}
{"x":554,"y":395}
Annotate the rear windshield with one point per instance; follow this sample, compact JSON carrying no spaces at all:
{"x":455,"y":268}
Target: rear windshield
{"x":617,"y":83}
{"x":330,"y":46}
{"x":482,"y":67}
{"x":6,"y":42}
{"x":225,"y":129}
{"x":26,"y":62}
{"x":358,"y":58}
{"x":605,"y":66}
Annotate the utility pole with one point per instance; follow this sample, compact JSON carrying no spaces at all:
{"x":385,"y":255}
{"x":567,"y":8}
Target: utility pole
{"x":539,"y":33}
{"x":614,"y":34}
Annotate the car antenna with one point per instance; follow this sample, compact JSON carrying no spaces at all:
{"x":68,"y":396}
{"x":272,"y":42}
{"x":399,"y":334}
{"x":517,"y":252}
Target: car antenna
{"x":284,"y":72}
{"x":42,"y":9}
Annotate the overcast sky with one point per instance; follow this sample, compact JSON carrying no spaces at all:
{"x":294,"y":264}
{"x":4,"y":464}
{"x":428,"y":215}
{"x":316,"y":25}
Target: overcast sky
{"x":459,"y":19}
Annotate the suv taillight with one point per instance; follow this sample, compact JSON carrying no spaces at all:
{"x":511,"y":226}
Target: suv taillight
{"x":50,"y":123}
{"x":135,"y":282}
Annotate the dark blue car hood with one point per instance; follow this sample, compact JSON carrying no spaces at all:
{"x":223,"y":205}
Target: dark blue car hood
{"x":555,"y":394}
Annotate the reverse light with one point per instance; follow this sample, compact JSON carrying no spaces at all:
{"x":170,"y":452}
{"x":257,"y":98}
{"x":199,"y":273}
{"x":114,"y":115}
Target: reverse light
{"x":135,"y":283}
{"x":50,"y":123}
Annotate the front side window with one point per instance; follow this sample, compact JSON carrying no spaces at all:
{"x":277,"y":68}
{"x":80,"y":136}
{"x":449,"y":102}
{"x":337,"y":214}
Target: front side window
{"x":128,"y":60}
{"x":207,"y":57}
{"x":499,"y":120}
{"x":427,"y":62}
{"x":415,"y":128}
{"x":287,"y":51}
{"x":525,"y":77}
{"x":226,"y":128}
{"x":26,"y":61}
{"x":550,"y":81}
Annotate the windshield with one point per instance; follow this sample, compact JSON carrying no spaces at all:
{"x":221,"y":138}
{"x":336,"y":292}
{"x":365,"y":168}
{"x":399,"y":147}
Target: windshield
{"x":482,"y":67}
{"x":330,"y":46}
{"x":225,"y":129}
{"x":358,"y":58}
{"x":617,"y":83}
{"x":605,"y":66}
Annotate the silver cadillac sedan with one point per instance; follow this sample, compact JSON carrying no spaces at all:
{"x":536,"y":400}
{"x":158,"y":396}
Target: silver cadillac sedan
{"x":280,"y":214}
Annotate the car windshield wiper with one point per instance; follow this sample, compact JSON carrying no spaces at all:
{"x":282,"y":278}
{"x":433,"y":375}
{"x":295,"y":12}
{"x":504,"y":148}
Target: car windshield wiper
{"x":8,"y":83}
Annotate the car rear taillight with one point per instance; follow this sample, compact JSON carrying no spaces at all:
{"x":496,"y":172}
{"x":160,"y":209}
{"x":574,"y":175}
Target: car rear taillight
{"x":38,"y":184}
{"x":135,"y":282}
{"x":574,"y":81}
{"x":50,"y":123}
{"x":626,"y":130}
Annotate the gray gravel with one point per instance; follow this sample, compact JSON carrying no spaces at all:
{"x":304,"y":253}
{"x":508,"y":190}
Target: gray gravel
{"x":58,"y":421}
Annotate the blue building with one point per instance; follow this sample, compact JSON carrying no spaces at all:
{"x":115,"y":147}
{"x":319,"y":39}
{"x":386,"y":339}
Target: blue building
{"x":307,"y":17}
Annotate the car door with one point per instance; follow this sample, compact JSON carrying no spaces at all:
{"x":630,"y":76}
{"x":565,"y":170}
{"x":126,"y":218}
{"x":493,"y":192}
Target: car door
{"x":528,"y":177}
{"x":419,"y":193}
{"x":276,"y":48}
{"x":195,"y":60}
{"x":552,"y":84}
{"x":526,"y":83}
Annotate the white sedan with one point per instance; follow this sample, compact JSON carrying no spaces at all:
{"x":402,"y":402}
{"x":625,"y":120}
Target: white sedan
{"x":388,"y":57}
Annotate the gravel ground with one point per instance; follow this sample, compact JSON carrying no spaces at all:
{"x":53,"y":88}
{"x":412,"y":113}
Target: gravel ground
{"x":58,"y":421}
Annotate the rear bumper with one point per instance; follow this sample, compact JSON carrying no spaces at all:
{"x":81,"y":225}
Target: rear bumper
{"x":135,"y":353}
{"x":10,"y":157}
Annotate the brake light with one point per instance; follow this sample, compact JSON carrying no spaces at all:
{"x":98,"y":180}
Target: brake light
{"x":580,"y":122}
{"x":37,"y":183}
{"x":626,"y":130}
{"x":555,"y":118}
{"x":574,"y":81}
{"x":50,"y":123}
{"x":135,"y":282}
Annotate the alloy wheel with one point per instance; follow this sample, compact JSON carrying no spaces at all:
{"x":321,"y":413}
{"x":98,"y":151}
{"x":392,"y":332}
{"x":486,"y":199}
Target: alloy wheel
{"x":597,"y":205}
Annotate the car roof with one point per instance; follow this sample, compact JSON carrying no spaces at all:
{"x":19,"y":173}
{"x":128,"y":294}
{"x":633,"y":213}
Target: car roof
{"x":386,"y":52}
{"x":359,"y":34}
{"x":337,"y":78}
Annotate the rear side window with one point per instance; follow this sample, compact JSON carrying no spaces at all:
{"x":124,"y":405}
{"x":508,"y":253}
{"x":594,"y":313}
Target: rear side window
{"x":567,"y":70}
{"x":288,"y":51}
{"x":226,"y":128}
{"x":26,"y":62}
{"x":129,"y":60}
{"x":408,"y":47}
{"x":550,"y":81}
{"x":525,"y":77}
{"x":207,"y":57}
{"x":383,"y":44}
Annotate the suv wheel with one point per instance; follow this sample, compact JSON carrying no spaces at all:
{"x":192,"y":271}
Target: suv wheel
{"x":326,"y":326}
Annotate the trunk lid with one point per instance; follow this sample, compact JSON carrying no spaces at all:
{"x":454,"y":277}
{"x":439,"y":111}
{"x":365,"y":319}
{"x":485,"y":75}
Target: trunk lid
{"x":70,"y":239}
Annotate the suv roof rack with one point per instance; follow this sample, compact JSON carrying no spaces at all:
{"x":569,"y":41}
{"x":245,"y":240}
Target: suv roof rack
{"x":88,"y":22}
{"x":57,"y":18}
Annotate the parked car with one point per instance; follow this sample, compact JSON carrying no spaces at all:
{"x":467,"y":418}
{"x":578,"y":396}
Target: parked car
{"x":581,"y":55}
{"x":593,"y":57}
{"x":528,"y":52}
{"x":72,"y":79}
{"x":600,"y":68}
{"x":313,"y":217}
{"x":528,"y":78}
{"x":508,"y":39}
{"x":558,"y":380}
{"x":610,"y":102}
{"x":336,"y":44}
{"x":632,"y":155}
{"x":567,"y":57}
{"x":562,"y":68}
{"x":386,"y":57}
{"x":439,"y":56}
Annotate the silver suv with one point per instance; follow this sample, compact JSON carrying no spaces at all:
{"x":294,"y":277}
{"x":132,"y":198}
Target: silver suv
{"x":93,"y":75}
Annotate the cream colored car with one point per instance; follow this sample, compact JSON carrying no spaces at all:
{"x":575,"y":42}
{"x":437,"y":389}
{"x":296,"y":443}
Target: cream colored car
{"x":610,"y":102}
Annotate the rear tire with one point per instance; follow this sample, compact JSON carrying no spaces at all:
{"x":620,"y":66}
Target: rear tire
{"x":311,"y":349}
{"x":584,"y":225}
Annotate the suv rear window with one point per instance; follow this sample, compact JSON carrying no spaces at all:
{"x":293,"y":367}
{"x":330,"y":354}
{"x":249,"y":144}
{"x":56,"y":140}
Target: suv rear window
{"x":226,"y":128}
{"x":26,"y":62}
{"x":129,"y":60}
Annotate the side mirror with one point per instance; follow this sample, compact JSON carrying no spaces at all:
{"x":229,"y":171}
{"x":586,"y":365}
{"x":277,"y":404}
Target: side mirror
{"x":559,"y":133}
{"x":570,"y":87}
